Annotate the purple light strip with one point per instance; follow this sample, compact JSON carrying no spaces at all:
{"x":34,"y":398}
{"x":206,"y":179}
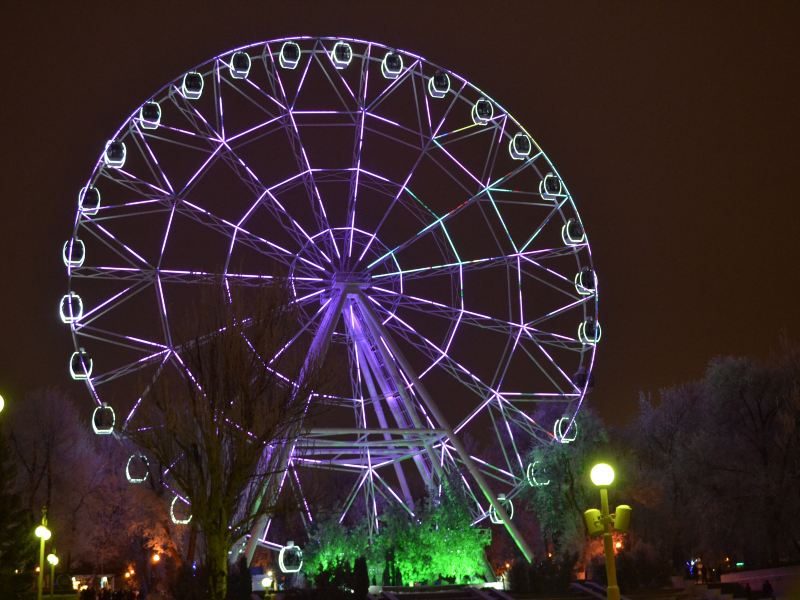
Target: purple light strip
{"x":384,"y":119}
{"x":200,"y":170}
{"x":136,"y":179}
{"x":303,"y":152}
{"x":138,"y":130}
{"x":302,"y":495}
{"x":125,"y":246}
{"x":233,"y":138}
{"x":219,"y":101}
{"x":302,"y":81}
{"x":166,"y":232}
{"x":145,"y":342}
{"x":404,"y":74}
{"x":394,"y":495}
{"x":411,"y":171}
{"x":271,"y":98}
{"x":463,"y":168}
{"x":139,"y":401}
{"x":85,"y":319}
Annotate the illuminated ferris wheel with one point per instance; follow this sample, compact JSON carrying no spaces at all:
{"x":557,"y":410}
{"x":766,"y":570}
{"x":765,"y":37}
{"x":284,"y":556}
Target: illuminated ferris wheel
{"x":426,"y":238}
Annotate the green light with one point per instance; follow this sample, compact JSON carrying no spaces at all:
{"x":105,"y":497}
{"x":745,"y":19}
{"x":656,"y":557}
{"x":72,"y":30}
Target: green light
{"x":739,"y":564}
{"x":602,"y":475}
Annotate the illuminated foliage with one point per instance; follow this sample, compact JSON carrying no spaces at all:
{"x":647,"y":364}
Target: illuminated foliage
{"x":438,"y":543}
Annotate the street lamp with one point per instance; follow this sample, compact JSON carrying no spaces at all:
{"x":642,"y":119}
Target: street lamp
{"x":53,"y":560}
{"x":602,"y":522}
{"x":44,"y":534}
{"x":2,"y":403}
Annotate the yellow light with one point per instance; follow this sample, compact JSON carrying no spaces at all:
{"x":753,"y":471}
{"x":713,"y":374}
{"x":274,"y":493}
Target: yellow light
{"x":37,"y":569}
{"x":602,"y":475}
{"x":127,"y":575}
{"x":52,"y":559}
{"x":2,"y":403}
{"x":618,"y":545}
{"x":43,"y":532}
{"x":156,"y":557}
{"x":132,"y":572}
{"x":269,"y":573}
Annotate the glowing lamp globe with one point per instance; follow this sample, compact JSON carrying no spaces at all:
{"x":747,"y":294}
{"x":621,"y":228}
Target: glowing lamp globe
{"x":2,"y":403}
{"x":52,"y":559}
{"x":43,"y":532}
{"x":602,"y":475}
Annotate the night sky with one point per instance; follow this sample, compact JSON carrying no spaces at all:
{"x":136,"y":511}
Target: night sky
{"x":676,"y":126}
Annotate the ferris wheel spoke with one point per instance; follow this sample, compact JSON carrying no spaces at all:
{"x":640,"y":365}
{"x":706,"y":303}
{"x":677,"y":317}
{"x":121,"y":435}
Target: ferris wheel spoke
{"x":326,"y":65}
{"x":110,"y":303}
{"x":567,"y":380}
{"x":301,"y":157}
{"x":407,"y":73}
{"x":127,"y":369}
{"x":440,"y":221}
{"x":465,"y":266}
{"x":145,"y":393}
{"x":267,"y":199}
{"x":140,"y":187}
{"x":123,"y":341}
{"x":453,"y":314}
{"x":110,"y":241}
{"x":422,"y":154}
{"x":146,"y":151}
{"x":432,"y":350}
{"x":358,"y":146}
{"x":255,"y":242}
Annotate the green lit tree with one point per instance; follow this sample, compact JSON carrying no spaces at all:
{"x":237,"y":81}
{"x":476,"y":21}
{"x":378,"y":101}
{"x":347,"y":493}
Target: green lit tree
{"x":17,"y":544}
{"x":437,"y":543}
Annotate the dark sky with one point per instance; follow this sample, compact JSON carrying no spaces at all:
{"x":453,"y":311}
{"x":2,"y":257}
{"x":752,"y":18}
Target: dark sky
{"x":676,"y":126}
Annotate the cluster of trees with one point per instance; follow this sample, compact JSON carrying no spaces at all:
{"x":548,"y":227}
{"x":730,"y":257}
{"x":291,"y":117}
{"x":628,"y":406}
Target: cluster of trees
{"x":49,"y":459}
{"x":711,"y":468}
{"x":437,"y":543}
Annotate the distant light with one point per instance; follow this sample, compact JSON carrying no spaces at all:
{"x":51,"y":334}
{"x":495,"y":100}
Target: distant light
{"x":602,"y":475}
{"x":156,"y":557}
{"x":127,"y":574}
{"x":739,"y":564}
{"x":2,"y":403}
{"x":43,"y":532}
{"x":618,"y":545}
{"x":52,"y":559}
{"x":37,"y":569}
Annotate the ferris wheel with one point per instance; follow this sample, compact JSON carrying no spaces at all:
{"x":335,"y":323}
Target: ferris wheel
{"x":424,"y":234}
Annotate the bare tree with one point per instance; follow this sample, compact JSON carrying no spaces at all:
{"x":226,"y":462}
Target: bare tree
{"x":226,"y":422}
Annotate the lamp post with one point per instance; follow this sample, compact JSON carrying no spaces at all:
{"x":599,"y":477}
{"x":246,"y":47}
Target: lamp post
{"x":603,"y":522}
{"x":53,"y":560}
{"x":44,"y":534}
